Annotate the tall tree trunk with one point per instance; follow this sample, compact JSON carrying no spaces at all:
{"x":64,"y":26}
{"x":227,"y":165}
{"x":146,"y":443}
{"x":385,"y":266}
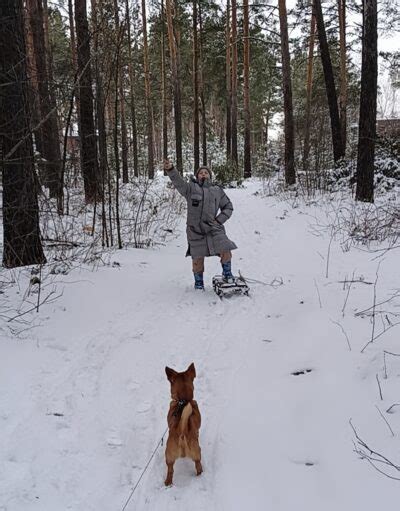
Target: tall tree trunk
{"x":367,"y":123}
{"x":173,"y":37}
{"x":124,"y":134}
{"x":120,"y":93}
{"x":149,"y":112}
{"x":51,"y":151}
{"x":101,"y":126}
{"x":116,"y":115}
{"x":87,"y":132}
{"x":72,"y":35}
{"x":22,"y":245}
{"x":290,"y":175}
{"x":234,"y":87}
{"x":163,"y":89}
{"x":343,"y":72}
{"x":266,"y":131}
{"x":310,"y":63}
{"x":246,"y":91}
{"x":228,"y":83}
{"x":202,"y":95}
{"x":196,"y":127}
{"x":74,"y":59}
{"x":53,"y":105}
{"x":132,"y":93}
{"x":33,"y":91}
{"x":338,"y":148}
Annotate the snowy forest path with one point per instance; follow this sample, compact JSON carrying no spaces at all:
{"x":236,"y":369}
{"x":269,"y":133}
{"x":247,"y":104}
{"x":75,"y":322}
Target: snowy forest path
{"x":276,"y":383}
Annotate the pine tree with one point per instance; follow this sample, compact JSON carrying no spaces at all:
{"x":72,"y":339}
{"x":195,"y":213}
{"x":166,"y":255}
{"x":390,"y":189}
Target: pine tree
{"x":149,"y":110}
{"x":173,"y":38}
{"x":290,"y":175}
{"x":22,"y":244}
{"x":310,"y":62}
{"x":234,"y":85}
{"x":337,"y":143}
{"x":246,"y":90}
{"x":367,"y":124}
{"x":87,"y":132}
{"x":196,"y":126}
{"x":50,"y":143}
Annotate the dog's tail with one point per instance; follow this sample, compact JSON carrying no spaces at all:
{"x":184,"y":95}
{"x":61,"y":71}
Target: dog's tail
{"x":186,"y":413}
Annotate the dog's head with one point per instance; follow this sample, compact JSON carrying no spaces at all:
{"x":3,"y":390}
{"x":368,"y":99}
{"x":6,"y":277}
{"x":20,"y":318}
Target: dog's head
{"x":181,"y":383}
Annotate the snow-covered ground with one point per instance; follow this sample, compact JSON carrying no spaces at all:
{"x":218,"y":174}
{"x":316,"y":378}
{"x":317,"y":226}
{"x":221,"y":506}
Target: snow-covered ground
{"x":84,"y":396}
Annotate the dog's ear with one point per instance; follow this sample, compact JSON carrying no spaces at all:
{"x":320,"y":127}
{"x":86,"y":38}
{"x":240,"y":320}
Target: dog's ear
{"x":191,"y":371}
{"x":171,"y":374}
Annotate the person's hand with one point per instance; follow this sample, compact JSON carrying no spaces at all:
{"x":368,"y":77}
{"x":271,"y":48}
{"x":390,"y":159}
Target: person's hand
{"x":168,"y":165}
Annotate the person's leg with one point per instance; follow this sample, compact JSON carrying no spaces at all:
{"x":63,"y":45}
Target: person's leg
{"x":226,"y":263}
{"x":225,"y":256}
{"x":198,"y":270}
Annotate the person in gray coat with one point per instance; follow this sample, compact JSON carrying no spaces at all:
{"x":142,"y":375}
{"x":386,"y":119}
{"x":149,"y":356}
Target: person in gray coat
{"x":208,"y":208}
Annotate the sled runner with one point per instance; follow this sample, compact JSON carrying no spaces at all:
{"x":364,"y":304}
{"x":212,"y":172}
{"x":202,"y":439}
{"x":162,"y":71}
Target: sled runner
{"x":226,"y":289}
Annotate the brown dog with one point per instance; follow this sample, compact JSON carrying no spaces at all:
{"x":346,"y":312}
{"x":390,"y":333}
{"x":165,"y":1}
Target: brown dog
{"x":183,"y":421}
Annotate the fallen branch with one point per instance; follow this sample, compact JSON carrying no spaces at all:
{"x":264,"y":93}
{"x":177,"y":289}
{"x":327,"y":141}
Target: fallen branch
{"x":374,"y":458}
{"x":344,"y":332}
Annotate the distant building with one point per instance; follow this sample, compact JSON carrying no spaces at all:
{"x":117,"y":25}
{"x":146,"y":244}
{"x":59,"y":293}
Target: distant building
{"x":388,"y":128}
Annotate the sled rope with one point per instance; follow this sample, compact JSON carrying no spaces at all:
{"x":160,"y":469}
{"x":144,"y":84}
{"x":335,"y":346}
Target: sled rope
{"x":160,"y":442}
{"x":276,"y":282}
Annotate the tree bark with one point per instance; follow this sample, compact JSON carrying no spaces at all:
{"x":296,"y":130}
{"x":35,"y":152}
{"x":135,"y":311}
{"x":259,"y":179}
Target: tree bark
{"x":246,"y":91}
{"x":149,"y":112}
{"x":22,"y":244}
{"x":367,"y":122}
{"x":290,"y":175}
{"x":89,"y":162}
{"x":337,"y":144}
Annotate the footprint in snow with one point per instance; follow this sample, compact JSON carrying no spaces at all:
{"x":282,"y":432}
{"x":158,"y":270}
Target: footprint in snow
{"x":306,"y":463}
{"x":302,"y":371}
{"x":114,"y":440}
{"x":133,"y":385}
{"x":143,"y":407}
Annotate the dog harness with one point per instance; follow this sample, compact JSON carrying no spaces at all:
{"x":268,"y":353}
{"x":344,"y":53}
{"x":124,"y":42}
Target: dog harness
{"x":179,"y":407}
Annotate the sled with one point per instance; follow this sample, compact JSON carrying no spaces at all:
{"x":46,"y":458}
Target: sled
{"x":226,"y":289}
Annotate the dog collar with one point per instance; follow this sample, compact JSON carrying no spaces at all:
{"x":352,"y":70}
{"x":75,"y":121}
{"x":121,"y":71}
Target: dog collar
{"x":180,"y":406}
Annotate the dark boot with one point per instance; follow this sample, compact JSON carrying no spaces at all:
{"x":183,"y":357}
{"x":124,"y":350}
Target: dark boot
{"x":227,"y":272}
{"x":198,"y":280}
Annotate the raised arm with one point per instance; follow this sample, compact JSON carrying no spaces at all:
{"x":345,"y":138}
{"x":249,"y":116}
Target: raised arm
{"x":225,"y":205}
{"x":177,"y":180}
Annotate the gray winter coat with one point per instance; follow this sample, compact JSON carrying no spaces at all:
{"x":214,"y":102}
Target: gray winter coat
{"x":205,"y":232}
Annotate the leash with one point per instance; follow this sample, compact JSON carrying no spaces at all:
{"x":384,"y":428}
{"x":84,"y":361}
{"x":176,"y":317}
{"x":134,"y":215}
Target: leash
{"x":276,"y":282}
{"x":180,"y":406}
{"x":160,"y":442}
